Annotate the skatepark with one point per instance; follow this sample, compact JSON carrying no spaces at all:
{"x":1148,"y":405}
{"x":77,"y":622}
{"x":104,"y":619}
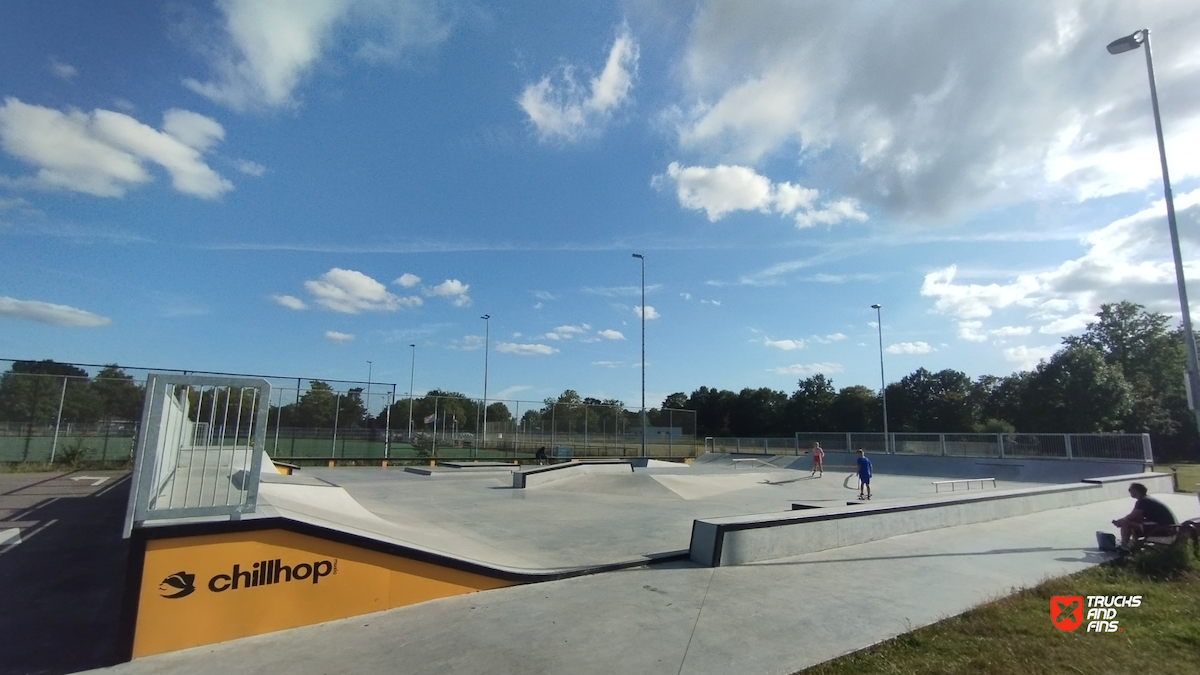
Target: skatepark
{"x":725,"y":563}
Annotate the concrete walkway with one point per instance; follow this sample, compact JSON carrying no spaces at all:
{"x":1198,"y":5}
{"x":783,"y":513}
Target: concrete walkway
{"x":774,"y":617}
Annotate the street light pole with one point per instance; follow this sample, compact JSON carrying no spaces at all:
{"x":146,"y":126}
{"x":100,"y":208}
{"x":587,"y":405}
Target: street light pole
{"x":412,"y":370}
{"x":882,"y":381}
{"x":639,"y":256}
{"x":487,"y":338}
{"x":1141,"y":38}
{"x":367,"y":405}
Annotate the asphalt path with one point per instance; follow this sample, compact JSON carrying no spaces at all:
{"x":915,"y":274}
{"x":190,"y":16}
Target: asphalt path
{"x":62,"y":570}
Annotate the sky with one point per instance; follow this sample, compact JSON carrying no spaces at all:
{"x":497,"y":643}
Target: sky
{"x":308,"y":188}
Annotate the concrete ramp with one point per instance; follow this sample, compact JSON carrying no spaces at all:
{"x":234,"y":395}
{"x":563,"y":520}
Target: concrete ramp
{"x":702,"y":486}
{"x":737,"y":540}
{"x":532,"y":478}
{"x":620,"y":485}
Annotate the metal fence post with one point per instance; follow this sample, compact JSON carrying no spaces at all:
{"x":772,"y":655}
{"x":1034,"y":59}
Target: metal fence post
{"x":942,"y":442}
{"x":58,"y":420}
{"x":1067,"y":443}
{"x":1000,"y":444}
{"x":1147,"y":452}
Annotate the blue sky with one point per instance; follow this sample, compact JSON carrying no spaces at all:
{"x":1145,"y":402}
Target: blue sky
{"x":298,"y":188}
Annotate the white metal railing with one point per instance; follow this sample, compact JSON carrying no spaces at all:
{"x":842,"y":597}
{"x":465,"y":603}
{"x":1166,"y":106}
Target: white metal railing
{"x":201,"y":447}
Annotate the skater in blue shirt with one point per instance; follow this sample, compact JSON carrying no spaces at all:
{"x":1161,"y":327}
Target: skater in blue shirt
{"x":864,"y":475}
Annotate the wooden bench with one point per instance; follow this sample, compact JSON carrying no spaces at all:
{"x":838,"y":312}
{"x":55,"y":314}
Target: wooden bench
{"x":1166,"y":536}
{"x":937,"y":484}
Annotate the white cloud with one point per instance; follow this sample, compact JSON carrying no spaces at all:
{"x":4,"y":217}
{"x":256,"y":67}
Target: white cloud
{"x":716,"y":303}
{"x":1011,"y":331}
{"x":785,"y":345}
{"x":610,"y":334}
{"x":909,"y":348}
{"x":1021,"y":101}
{"x":651,"y":313}
{"x":62,"y":70}
{"x":351,"y":292}
{"x":45,"y":312}
{"x":340,"y":338}
{"x":566,"y":332}
{"x":609,"y":364}
{"x":452,"y":289}
{"x":828,"y":339}
{"x":1026,"y":358}
{"x":1067,"y":325}
{"x":568,"y":111}
{"x":407,"y":280}
{"x":1128,"y":259}
{"x":799,"y":369}
{"x":103,"y":153}
{"x":971,"y":331}
{"x":721,"y":190}
{"x":193,"y":129}
{"x":272,"y":46}
{"x":973,"y":301}
{"x":250,"y":168}
{"x":289,"y":301}
{"x":525,"y":350}
{"x":686,"y":296}
{"x":472,"y":342}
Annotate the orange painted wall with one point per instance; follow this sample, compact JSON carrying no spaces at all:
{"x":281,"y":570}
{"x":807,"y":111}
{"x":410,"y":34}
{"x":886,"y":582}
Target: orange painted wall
{"x":356,"y":581}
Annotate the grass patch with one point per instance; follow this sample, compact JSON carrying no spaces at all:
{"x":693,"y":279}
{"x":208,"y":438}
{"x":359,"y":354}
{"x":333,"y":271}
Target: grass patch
{"x":1186,"y":475}
{"x":1014,"y":635}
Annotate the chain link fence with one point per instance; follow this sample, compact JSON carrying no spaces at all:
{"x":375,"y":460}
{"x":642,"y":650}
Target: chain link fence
{"x":1122,"y":447}
{"x":77,"y":413}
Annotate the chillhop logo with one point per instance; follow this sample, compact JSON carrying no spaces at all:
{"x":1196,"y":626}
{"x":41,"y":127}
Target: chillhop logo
{"x":269,"y":572}
{"x":178,"y":585}
{"x":1066,"y":612}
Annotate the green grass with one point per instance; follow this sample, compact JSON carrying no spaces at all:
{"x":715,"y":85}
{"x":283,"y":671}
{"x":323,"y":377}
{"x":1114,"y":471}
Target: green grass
{"x":1187,"y":475}
{"x":1014,"y":635}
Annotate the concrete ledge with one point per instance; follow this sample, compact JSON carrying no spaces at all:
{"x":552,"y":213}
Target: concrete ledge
{"x":736,"y":540}
{"x":548,"y":474}
{"x":434,"y":471}
{"x":479,"y":465}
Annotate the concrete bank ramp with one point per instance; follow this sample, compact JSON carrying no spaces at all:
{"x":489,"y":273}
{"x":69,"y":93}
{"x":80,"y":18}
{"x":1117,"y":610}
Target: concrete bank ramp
{"x":541,"y":475}
{"x":736,"y":540}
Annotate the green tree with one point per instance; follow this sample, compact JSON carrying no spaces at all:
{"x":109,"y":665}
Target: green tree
{"x":811,"y":404}
{"x":119,"y":396}
{"x":30,"y":393}
{"x":931,"y":402}
{"x":1152,"y":358}
{"x":678,"y":401}
{"x":856,"y":408}
{"x":1076,"y":392}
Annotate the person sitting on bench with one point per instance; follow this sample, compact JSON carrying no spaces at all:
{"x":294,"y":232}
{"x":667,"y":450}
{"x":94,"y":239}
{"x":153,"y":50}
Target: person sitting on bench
{"x":1147,"y":515}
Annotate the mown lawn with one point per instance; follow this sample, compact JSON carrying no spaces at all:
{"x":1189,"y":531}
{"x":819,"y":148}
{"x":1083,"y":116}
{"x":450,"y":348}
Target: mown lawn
{"x":1014,"y":635}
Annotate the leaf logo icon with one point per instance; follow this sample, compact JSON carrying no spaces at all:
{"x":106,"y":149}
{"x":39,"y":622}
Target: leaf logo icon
{"x":178,"y":585}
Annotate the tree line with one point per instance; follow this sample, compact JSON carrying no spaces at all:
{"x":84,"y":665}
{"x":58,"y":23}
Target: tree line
{"x":1125,"y":373}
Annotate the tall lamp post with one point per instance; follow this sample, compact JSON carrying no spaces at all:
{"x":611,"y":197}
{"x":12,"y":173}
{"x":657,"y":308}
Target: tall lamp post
{"x":412,"y":370}
{"x":368,"y":402}
{"x":639,"y":256}
{"x":1141,"y":38}
{"x":487,"y":338}
{"x":887,"y":447}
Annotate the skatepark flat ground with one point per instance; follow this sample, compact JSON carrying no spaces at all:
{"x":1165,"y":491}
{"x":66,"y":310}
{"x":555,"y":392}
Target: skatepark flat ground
{"x":676,"y":618}
{"x":586,"y":520}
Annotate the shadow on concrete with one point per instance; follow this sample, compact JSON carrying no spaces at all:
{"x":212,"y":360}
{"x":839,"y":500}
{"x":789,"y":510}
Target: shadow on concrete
{"x":62,"y":586}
